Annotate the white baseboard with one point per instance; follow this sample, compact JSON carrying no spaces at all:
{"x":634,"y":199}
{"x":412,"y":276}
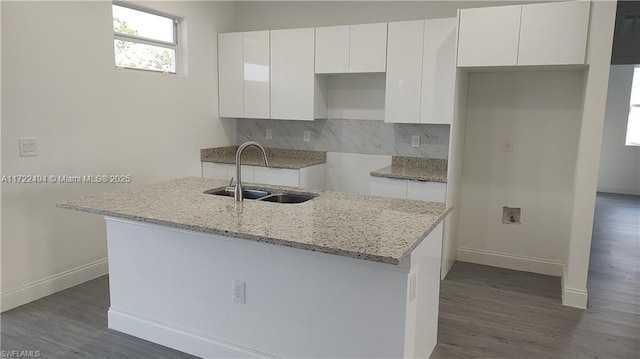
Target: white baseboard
{"x":179,"y":339}
{"x":55,"y":283}
{"x":510,"y":261}
{"x":631,"y":191}
{"x":574,"y":297}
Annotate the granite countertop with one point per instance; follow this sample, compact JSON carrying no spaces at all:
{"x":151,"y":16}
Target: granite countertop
{"x":279,"y":158}
{"x":416,"y":169}
{"x":358,"y":226}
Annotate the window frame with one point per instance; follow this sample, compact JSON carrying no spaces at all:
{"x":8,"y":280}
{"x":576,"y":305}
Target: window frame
{"x":147,"y":41}
{"x":628,"y":141}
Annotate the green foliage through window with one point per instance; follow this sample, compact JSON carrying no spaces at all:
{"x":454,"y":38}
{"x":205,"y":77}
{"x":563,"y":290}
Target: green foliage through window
{"x":143,"y":40}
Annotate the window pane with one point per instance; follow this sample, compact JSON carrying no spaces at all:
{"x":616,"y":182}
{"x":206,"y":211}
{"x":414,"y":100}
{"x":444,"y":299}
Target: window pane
{"x":139,"y":23}
{"x":142,"y":56}
{"x":633,"y":127}
{"x":628,"y":23}
{"x":635,"y":87}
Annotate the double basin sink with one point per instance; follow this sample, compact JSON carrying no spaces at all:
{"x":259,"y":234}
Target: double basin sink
{"x":264,"y":195}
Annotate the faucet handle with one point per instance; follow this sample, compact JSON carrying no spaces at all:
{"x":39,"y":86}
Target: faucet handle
{"x":230,"y":188}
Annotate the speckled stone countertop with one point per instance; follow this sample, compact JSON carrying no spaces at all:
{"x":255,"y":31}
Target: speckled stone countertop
{"x":365,"y":227}
{"x":416,"y":169}
{"x":280,"y":158}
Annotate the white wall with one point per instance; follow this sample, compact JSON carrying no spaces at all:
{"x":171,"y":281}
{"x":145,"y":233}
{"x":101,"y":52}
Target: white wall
{"x":619,"y":164}
{"x":350,"y":172}
{"x":261,"y":15}
{"x":60,"y":86}
{"x":540,"y":112}
{"x":576,"y":270}
{"x":355,"y":96}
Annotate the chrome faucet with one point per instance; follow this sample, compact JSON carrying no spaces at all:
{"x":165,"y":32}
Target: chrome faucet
{"x":237,"y":191}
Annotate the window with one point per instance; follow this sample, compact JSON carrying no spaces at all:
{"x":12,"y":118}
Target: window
{"x":633,"y":126}
{"x":631,"y":22}
{"x":144,"y":40}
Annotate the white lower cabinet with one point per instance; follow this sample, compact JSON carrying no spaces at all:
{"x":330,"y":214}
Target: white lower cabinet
{"x":388,"y":187}
{"x":276,"y":176}
{"x":408,"y":189}
{"x":427,"y":191}
{"x":312,"y":177}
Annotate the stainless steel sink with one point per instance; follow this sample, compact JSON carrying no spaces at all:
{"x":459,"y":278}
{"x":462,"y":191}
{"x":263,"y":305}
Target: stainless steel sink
{"x":287,"y":198}
{"x":263,"y":195}
{"x":247,"y":193}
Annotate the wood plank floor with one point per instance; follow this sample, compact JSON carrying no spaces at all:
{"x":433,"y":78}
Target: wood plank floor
{"x":485,"y":312}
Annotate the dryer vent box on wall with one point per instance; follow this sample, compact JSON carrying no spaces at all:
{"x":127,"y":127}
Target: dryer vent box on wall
{"x":511,"y":215}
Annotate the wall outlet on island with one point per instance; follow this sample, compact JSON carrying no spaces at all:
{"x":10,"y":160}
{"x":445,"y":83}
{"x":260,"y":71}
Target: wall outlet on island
{"x":238,"y":291}
{"x":307,"y":136}
{"x":269,"y":134}
{"x":415,"y":141}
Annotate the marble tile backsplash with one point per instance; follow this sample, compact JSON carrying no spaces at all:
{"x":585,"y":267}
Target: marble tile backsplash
{"x":352,"y":136}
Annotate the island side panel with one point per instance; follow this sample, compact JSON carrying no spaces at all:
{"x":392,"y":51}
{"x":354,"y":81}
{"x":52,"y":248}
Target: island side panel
{"x":423,"y":293}
{"x":173,"y":287}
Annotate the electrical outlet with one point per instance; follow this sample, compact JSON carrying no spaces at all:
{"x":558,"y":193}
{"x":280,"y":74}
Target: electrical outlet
{"x":307,"y":136}
{"x":507,"y":145}
{"x":510,"y":215}
{"x":415,"y":141}
{"x":28,"y":146}
{"x":238,"y":291}
{"x":269,"y":134}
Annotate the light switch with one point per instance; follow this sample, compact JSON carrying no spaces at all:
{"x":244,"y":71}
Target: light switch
{"x":28,"y":146}
{"x":269,"y":134}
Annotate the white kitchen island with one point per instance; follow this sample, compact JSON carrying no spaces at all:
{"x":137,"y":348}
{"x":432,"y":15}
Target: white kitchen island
{"x":338,"y":276}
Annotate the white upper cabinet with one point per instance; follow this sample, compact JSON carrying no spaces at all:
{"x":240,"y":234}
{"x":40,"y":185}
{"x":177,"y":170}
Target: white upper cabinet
{"x":351,"y":48}
{"x":524,"y":35}
{"x":292,"y":74}
{"x":243,"y":74}
{"x":230,"y":75}
{"x":404,"y":72}
{"x":489,"y":36}
{"x":368,"y":48}
{"x":332,"y":49}
{"x":554,"y":33}
{"x":256,"y":74}
{"x":438,"y":71}
{"x":421,"y":71}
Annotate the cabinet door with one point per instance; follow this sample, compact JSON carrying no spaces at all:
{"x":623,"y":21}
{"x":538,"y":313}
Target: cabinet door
{"x":438,"y":71}
{"x":404,"y":72}
{"x":427,"y":191}
{"x":292,"y":74}
{"x":332,"y":49}
{"x":214,"y":170}
{"x":230,"y":75}
{"x":388,"y":187}
{"x":256,"y":74}
{"x":489,"y":36}
{"x":276,"y":176}
{"x":368,"y":48}
{"x":554,"y":34}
